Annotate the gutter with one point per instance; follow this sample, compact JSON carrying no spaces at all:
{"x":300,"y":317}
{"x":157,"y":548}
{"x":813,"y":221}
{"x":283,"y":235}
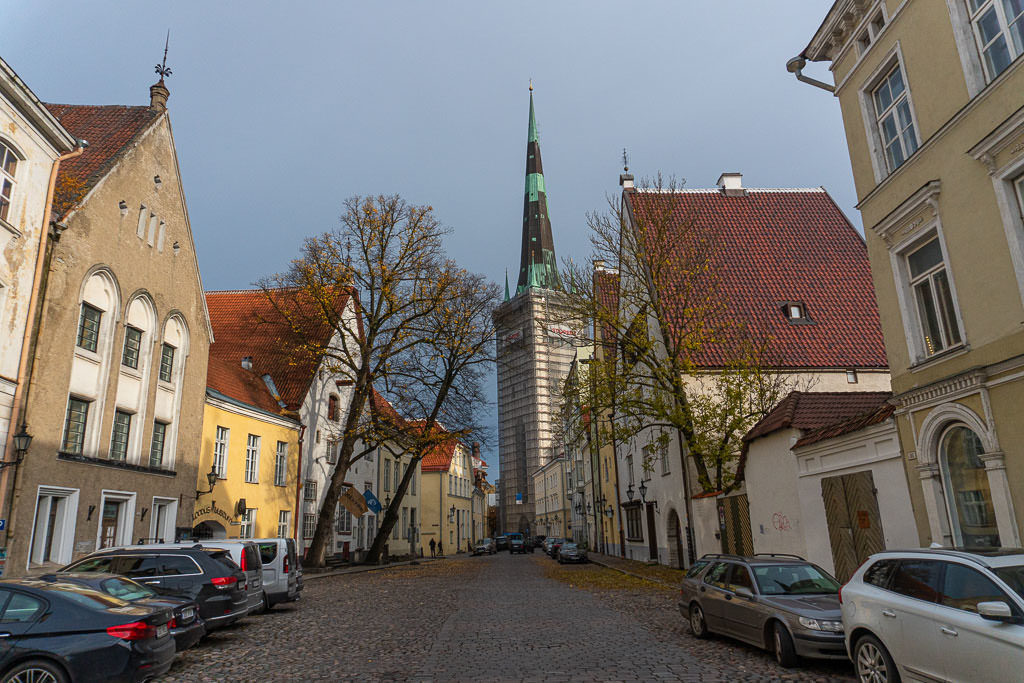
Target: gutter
{"x":795,"y":66}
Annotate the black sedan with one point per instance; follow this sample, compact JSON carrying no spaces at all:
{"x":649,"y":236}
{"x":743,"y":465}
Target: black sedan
{"x":55,"y":632}
{"x":186,"y":626}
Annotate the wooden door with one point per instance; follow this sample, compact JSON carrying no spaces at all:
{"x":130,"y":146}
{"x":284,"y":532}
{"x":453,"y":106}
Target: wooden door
{"x":108,"y":523}
{"x":854,"y":523}
{"x":652,"y":533}
{"x":734,"y":523}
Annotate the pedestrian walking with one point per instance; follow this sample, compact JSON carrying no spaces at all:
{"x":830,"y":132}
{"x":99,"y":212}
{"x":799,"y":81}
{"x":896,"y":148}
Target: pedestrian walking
{"x":440,"y":549}
{"x":433,"y":547}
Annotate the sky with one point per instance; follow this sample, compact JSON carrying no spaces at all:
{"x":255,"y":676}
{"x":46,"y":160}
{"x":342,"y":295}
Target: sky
{"x":282,"y":110}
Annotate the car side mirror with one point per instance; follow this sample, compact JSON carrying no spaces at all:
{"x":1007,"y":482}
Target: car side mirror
{"x":996,"y":610}
{"x":745,"y":593}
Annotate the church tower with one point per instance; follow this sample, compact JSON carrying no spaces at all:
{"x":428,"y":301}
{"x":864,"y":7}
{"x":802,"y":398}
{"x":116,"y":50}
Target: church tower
{"x":533,"y":360}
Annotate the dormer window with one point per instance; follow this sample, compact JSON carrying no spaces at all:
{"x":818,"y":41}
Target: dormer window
{"x":795,"y":312}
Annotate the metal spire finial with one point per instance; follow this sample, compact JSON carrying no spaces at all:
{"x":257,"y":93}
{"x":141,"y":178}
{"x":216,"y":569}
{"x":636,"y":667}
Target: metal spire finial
{"x":162,"y":68}
{"x":531,"y":85}
{"x":625,"y":160}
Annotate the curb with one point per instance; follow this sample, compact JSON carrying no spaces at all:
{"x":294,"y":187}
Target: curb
{"x":633,"y":574}
{"x":359,"y":569}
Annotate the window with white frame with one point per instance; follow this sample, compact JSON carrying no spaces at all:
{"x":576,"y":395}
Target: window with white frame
{"x":397,"y":475}
{"x":156,"y":446}
{"x":132,"y":347}
{"x":629,"y":467}
{"x":634,"y":530}
{"x":663,"y":458}
{"x":252,"y":459}
{"x":281,"y":463}
{"x":8,"y":167}
{"x":119,"y":435}
{"x":308,"y":525}
{"x":89,"y":328}
{"x":284,"y":523}
{"x":894,"y":119}
{"x":248,"y":523}
{"x":332,"y":452}
{"x":220,"y":452}
{"x":343,"y":520}
{"x":999,"y":30}
{"x":309,"y":491}
{"x":166,"y":362}
{"x":387,"y":475}
{"x":938,"y":327}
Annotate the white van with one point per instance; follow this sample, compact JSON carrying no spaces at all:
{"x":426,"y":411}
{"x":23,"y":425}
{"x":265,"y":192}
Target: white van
{"x":282,"y":572}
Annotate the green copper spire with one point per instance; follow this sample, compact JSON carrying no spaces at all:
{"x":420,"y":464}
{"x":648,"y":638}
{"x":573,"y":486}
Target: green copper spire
{"x":506,"y":285}
{"x":538,"y":266}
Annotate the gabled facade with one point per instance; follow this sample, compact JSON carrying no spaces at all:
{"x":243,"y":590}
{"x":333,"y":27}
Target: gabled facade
{"x":932,"y":98}
{"x":789,"y":266}
{"x":446,"y":498}
{"x":118,"y":378}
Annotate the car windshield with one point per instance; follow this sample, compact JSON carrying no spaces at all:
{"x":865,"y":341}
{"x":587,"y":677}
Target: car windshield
{"x":1013,"y":576}
{"x":126,"y":589}
{"x":569,"y":546}
{"x":794,"y":579}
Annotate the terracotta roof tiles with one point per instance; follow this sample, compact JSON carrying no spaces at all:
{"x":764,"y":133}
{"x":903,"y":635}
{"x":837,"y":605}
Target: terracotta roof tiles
{"x":815,"y":410}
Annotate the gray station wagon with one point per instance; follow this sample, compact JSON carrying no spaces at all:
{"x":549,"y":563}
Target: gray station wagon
{"x":781,"y":603}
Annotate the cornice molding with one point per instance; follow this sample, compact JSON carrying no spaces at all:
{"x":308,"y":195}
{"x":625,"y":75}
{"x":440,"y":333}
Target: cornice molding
{"x":953,"y":387}
{"x":993,"y":144}
{"x":894,"y":224}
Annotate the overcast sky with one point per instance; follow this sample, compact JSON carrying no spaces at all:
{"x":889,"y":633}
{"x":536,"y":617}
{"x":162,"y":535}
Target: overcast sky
{"x":282,"y":109}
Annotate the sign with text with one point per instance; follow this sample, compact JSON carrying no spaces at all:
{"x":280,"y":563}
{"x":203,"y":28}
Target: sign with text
{"x":354,"y":502}
{"x":562,"y":332}
{"x":519,"y":499}
{"x":513,"y":337}
{"x":372,"y":502}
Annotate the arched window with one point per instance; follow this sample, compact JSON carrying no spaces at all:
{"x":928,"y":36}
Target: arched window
{"x":967,"y":489}
{"x":135,"y":362}
{"x":332,"y":408}
{"x":170,"y":373}
{"x":8,"y":167}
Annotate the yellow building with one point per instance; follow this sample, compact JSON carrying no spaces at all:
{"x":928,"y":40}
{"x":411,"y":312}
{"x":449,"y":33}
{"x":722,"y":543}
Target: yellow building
{"x":446,"y":498}
{"x":253,"y":449}
{"x":932,"y":98}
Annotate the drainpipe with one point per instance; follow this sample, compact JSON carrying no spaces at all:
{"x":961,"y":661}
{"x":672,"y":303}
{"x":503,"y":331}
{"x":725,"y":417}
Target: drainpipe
{"x":31,"y":332}
{"x":795,"y":66}
{"x":298,"y":490}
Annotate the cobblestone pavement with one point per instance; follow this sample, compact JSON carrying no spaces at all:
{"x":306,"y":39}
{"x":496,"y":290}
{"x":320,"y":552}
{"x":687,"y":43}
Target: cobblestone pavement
{"x":497,"y":617}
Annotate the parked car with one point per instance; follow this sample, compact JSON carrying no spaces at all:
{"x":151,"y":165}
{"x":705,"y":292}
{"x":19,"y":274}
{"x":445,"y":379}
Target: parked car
{"x":186,"y":625}
{"x":939,"y":614}
{"x":281,"y":570}
{"x":59,"y":632}
{"x":516,"y":543}
{"x":484,"y":546}
{"x":554,"y":546}
{"x":538,"y":540}
{"x":501,"y":542}
{"x":246,"y":555}
{"x":783,"y":604}
{"x":207,"y":576}
{"x":571,"y":552}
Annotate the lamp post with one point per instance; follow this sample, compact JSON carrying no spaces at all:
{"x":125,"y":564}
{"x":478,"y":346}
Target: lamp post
{"x":629,"y":491}
{"x":22,"y":440}
{"x":211,"y":481}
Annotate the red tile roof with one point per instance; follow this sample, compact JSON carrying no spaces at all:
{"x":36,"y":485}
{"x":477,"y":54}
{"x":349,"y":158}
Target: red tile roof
{"x":439,"y":457}
{"x":815,"y":410}
{"x":774,"y":246}
{"x":109,"y":129}
{"x":228,"y":377}
{"x":244,"y":325}
{"x":877,"y":416}
{"x":606,"y":292}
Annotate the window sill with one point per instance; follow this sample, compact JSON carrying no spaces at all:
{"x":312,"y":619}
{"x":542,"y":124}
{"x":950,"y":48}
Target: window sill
{"x":10,"y":228}
{"x":634,"y":540}
{"x":131,"y":372}
{"x":116,"y":464}
{"x":87,"y":355}
{"x":940,"y":357}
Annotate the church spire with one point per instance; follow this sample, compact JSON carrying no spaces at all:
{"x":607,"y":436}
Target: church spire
{"x":537,"y":266}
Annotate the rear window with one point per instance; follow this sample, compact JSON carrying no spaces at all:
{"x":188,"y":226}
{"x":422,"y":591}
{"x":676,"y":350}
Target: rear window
{"x":918,"y":579}
{"x":252,"y":556}
{"x":696,"y":568}
{"x":126,"y":589}
{"x":136,"y":565}
{"x":176,"y":565}
{"x":268,"y":552}
{"x":880,"y":573}
{"x":223,"y":557}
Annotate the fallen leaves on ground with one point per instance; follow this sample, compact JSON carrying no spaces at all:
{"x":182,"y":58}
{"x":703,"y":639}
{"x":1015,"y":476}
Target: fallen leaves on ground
{"x":594,"y":577}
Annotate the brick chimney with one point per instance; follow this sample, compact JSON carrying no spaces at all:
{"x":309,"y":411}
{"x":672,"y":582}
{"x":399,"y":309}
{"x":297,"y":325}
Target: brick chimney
{"x":158,"y":94}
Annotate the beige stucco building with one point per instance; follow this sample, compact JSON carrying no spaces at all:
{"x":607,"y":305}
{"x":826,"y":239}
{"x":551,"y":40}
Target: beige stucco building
{"x":446,"y":498}
{"x":117,"y":380}
{"x":551,"y":484}
{"x":932,"y":98}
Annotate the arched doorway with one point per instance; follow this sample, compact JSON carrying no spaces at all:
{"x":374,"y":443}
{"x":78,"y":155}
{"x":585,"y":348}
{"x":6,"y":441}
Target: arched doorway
{"x":675,"y":541}
{"x":968,"y":493}
{"x":209,"y":530}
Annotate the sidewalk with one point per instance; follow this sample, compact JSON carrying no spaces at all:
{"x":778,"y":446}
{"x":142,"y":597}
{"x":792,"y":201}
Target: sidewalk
{"x":656,"y":573}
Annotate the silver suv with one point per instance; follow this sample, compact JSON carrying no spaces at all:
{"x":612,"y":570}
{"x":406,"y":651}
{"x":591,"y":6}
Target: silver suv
{"x":781,"y":603}
{"x":937,"y":614}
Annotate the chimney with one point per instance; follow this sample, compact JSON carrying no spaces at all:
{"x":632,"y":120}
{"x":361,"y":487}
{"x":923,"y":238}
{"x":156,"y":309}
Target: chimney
{"x":731,"y":185}
{"x":476,"y":450}
{"x":247,"y":362}
{"x":158,"y":94}
{"x":598,"y":264}
{"x":626,"y":180}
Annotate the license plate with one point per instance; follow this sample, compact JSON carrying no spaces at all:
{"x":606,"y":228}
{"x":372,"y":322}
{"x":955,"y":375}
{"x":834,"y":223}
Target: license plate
{"x":161,"y":630}
{"x":187,"y":614}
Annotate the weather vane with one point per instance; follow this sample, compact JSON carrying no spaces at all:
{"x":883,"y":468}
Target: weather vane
{"x":625,"y":160}
{"x":162,"y":68}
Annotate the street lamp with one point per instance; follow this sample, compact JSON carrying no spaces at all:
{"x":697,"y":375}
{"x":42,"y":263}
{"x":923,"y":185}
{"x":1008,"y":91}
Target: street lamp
{"x":643,"y":492}
{"x":629,"y":491}
{"x":211,"y":481}
{"x":22,"y":440}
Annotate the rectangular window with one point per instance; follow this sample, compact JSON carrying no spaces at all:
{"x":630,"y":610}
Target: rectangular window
{"x":629,"y":467}
{"x":308,"y":525}
{"x":933,"y":298}
{"x":141,"y":229}
{"x":220,"y":452}
{"x":412,"y":484}
{"x":119,"y":436}
{"x":397,"y":478}
{"x":284,"y":523}
{"x":156,"y":449}
{"x":663,"y":457}
{"x":405,"y":523}
{"x":89,"y":327}
{"x":248,"y":523}
{"x":74,"y":426}
{"x":851,"y":376}
{"x":332,"y":452}
{"x":132,"y":345}
{"x":281,"y":463}
{"x":309,"y":491}
{"x":387,"y":475}
{"x":449,"y":484}
{"x":252,"y":459}
{"x":634,"y":531}
{"x":166,"y":362}
{"x":343,"y":520}
{"x":895,"y":124}
{"x":999,"y":30}
{"x":8,"y":167}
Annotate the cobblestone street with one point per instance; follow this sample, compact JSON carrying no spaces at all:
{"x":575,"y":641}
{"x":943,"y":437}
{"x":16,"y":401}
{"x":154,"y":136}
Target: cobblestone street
{"x":498,"y":617}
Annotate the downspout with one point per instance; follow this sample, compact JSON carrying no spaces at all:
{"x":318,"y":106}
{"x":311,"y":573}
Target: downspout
{"x":31,"y":332}
{"x":795,"y":66}
{"x":298,"y":489}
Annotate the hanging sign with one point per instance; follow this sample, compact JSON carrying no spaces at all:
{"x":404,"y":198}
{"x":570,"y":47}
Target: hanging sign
{"x":354,"y":502}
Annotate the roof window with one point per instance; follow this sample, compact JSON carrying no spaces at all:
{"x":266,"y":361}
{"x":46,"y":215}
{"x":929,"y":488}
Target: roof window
{"x":795,"y":312}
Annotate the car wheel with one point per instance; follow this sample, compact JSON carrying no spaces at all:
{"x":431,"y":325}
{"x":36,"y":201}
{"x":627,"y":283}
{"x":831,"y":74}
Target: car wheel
{"x":36,"y":671}
{"x":785,"y":653}
{"x":265,"y":607}
{"x":698,"y":627}
{"x":873,"y":663}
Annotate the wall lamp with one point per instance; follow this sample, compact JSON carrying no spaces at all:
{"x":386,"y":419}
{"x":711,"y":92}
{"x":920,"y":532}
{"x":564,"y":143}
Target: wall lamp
{"x":643,"y":496}
{"x":211,"y":479}
{"x":22,"y":440}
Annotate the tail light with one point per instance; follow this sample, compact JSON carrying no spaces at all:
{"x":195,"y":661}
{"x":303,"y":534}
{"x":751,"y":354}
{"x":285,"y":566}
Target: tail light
{"x":224,"y":582}
{"x":244,"y":565}
{"x":173,"y":623}
{"x":137,"y":630}
{"x":287,"y":566}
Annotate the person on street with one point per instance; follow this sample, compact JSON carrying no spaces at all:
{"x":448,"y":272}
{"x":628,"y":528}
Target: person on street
{"x":440,"y":549}
{"x":433,"y":547}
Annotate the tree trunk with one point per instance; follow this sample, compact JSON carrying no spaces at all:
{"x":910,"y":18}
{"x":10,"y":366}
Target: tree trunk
{"x":391,"y":516}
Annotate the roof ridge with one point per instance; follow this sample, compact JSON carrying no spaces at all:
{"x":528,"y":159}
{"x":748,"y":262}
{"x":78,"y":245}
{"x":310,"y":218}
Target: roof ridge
{"x":718,"y":190}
